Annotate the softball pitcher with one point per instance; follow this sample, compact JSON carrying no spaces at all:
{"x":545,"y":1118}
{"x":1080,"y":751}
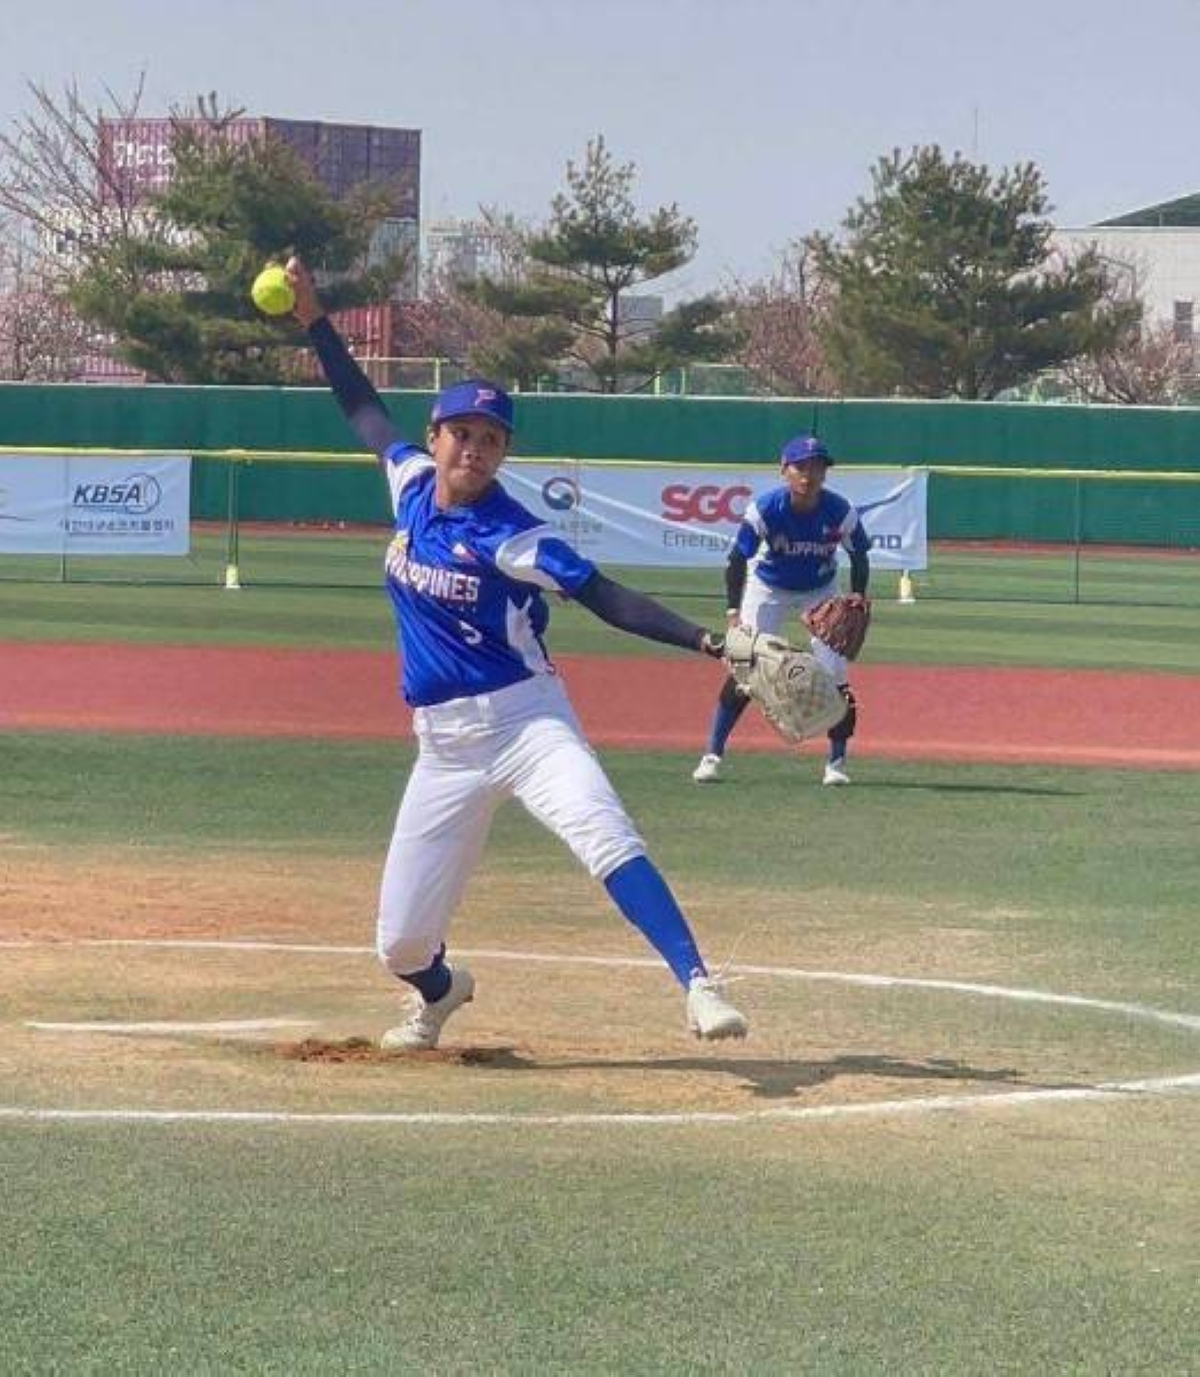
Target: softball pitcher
{"x":467,"y":571}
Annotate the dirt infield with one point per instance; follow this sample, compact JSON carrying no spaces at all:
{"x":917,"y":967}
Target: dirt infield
{"x":1081,"y":717}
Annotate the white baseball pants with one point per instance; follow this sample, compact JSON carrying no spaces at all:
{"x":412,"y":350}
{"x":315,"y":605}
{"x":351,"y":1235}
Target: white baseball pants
{"x":524,"y":742}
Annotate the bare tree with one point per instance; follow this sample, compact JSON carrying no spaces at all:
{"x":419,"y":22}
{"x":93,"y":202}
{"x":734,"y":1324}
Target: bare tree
{"x":41,"y":337}
{"x":1146,"y":365}
{"x":779,"y":319}
{"x":61,"y":175}
{"x":68,"y":197}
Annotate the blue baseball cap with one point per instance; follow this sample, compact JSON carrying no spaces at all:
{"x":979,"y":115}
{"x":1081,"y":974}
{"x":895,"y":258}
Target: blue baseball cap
{"x":473,"y":397}
{"x":804,"y":449}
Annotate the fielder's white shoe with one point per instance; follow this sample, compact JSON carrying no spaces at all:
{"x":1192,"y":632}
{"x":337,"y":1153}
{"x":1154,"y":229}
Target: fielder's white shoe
{"x":835,"y":773}
{"x":709,"y":1014}
{"x":709,"y":769}
{"x":421,"y":1030}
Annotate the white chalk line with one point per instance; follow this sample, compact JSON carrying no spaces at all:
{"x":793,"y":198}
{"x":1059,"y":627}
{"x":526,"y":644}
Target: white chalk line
{"x":1144,"y":1012}
{"x":1110,"y":1090}
{"x":934,"y":1104}
{"x":217,"y":1027}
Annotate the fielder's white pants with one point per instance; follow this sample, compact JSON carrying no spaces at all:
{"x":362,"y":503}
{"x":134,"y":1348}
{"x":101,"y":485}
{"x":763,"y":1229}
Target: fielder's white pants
{"x":524,"y":742}
{"x":768,"y":609}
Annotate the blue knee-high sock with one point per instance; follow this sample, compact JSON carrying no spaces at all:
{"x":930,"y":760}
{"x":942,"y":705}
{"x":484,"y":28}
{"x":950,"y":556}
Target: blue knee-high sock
{"x":725,"y":718}
{"x":641,"y":894}
{"x":840,"y":734}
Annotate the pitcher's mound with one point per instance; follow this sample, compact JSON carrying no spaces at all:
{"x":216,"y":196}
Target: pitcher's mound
{"x":364,"y":1050}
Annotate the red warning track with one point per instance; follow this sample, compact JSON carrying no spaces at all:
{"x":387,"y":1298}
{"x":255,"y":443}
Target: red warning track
{"x":1078,"y":717}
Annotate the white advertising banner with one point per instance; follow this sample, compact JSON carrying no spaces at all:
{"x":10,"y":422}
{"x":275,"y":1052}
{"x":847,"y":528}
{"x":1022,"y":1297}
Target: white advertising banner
{"x":673,"y":514}
{"x":66,"y":504}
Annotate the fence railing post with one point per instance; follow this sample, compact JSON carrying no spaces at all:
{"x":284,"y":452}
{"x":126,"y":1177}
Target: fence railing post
{"x":1078,"y":533}
{"x":232,"y":575}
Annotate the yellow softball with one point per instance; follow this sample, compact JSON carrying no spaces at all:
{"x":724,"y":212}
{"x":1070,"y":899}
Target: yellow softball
{"x":272,"y":292}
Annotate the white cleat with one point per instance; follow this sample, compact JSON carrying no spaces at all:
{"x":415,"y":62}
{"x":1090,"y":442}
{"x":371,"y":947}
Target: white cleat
{"x":709,"y":1014}
{"x":708,"y":771}
{"x":835,"y":773}
{"x":421,"y":1030}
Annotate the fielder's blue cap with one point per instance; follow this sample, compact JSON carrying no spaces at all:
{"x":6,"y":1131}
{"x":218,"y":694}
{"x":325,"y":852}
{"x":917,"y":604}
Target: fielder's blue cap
{"x":803,"y":449}
{"x":474,"y":397}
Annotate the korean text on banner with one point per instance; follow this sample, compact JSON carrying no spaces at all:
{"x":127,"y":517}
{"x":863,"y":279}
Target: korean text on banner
{"x":113,"y":504}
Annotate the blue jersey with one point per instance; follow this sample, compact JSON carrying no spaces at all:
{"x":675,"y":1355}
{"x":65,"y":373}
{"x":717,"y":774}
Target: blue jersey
{"x":798,"y":549}
{"x":465,"y":585}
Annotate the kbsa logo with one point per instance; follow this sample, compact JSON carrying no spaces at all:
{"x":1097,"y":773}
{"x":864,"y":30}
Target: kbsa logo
{"x":138,"y":494}
{"x":706,"y":504}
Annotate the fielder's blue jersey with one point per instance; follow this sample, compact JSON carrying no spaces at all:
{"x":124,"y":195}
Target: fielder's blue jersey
{"x":465,"y":585}
{"x":797,"y":551}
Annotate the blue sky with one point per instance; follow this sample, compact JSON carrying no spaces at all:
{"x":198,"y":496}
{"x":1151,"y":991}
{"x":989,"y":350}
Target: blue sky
{"x":761,"y":118}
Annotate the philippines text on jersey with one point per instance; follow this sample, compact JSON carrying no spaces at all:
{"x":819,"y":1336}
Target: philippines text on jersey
{"x":820,"y":549}
{"x":446,"y":585}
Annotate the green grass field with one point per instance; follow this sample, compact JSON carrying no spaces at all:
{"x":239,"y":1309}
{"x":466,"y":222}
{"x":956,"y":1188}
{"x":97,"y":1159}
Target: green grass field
{"x":1057,"y":1235}
{"x":956,"y":1246}
{"x":796,"y":1204}
{"x":931,"y":631}
{"x":307,"y":558}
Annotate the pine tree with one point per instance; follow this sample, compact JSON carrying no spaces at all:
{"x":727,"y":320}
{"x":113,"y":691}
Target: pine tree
{"x":581,"y":268}
{"x":947,"y":284}
{"x":175,"y":293}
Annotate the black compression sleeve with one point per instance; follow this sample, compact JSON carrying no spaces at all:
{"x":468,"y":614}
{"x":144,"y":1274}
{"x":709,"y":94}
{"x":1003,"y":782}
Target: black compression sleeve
{"x":355,"y":394}
{"x":860,"y":572}
{"x":735,"y":580}
{"x":629,"y":610}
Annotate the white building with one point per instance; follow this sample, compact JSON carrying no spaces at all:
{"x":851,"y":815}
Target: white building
{"x":461,"y":249}
{"x":1160,"y":246}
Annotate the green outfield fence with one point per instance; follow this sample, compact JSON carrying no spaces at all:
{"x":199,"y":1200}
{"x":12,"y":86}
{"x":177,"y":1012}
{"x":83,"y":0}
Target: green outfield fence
{"x":260,"y":420}
{"x":1045,"y":503}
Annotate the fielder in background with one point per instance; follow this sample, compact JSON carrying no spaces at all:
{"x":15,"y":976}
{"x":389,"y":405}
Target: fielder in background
{"x":784,"y":562}
{"x":467,"y":572}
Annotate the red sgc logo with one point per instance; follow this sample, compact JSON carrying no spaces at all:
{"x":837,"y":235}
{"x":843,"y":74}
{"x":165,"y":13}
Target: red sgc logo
{"x":706,"y":504}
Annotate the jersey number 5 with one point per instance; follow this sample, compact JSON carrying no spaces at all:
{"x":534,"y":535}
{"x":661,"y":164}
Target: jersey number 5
{"x":471,"y":634}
